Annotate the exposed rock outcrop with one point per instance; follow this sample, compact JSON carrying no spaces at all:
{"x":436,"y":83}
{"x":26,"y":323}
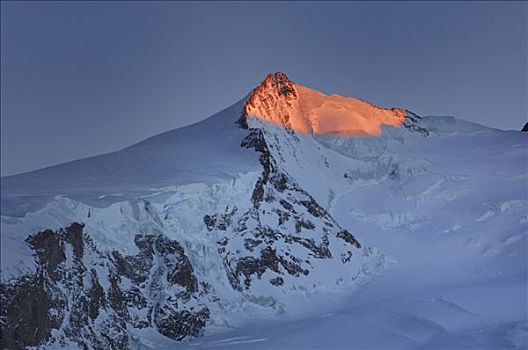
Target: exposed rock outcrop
{"x":284,"y":233}
{"x":84,"y":296}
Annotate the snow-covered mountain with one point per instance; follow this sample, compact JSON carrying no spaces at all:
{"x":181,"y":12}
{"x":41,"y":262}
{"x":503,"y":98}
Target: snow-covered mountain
{"x":291,"y":219}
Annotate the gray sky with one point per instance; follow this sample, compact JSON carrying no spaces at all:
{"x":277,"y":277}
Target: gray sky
{"x":80,"y":79}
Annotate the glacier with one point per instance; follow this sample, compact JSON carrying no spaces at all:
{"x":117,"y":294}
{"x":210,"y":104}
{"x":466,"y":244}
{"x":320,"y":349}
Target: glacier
{"x":412,"y":239}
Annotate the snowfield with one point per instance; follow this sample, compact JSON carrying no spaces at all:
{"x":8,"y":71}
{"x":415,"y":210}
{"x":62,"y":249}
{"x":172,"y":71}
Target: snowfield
{"x":440,"y":218}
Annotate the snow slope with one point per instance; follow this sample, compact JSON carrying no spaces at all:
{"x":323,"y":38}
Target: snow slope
{"x":412,"y":238}
{"x":453,"y":219}
{"x":206,"y":152}
{"x":456,"y":228}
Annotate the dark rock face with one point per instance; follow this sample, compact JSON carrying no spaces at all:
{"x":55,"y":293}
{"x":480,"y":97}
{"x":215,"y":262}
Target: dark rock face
{"x":283,"y":233}
{"x":525,"y":127}
{"x":220,"y":221}
{"x":171,"y":282}
{"x":82,"y":295}
{"x":178,"y":325}
{"x":277,"y":281}
{"x":349,"y":238}
{"x":283,"y":84}
{"x":25,"y":307}
{"x":412,"y":122}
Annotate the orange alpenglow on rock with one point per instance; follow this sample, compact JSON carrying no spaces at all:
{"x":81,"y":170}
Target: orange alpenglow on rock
{"x":280,"y":101}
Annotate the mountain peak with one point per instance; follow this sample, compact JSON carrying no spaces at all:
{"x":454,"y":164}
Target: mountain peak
{"x":280,"y":101}
{"x":281,"y":82}
{"x":276,"y":100}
